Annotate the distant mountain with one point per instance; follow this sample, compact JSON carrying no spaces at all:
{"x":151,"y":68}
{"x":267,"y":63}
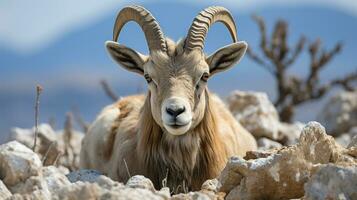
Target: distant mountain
{"x":71,"y":68}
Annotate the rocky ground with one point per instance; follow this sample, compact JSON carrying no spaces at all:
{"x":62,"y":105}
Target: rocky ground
{"x":294,"y":161}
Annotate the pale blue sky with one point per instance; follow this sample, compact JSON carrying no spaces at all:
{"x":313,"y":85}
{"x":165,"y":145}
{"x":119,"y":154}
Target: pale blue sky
{"x":27,"y":26}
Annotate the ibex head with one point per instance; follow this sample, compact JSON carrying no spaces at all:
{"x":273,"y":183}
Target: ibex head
{"x":176,"y":74}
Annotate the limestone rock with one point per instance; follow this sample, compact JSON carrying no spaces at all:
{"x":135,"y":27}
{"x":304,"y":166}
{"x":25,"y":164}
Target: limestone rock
{"x":289,"y":133}
{"x":282,"y":173}
{"x":86,"y":190}
{"x":63,"y":170}
{"x":71,"y":148}
{"x":353,"y":131}
{"x":140,"y":181}
{"x":17,"y":163}
{"x":255,"y":112}
{"x":332,"y":182}
{"x":353,"y":142}
{"x":107,"y":183}
{"x":346,"y":138}
{"x":164,"y":192}
{"x":44,"y":185}
{"x":36,"y":195}
{"x":84,"y":175}
{"x":340,"y":114}
{"x":54,"y":178}
{"x":265,"y":144}
{"x":52,"y":144}
{"x":26,"y":178}
{"x":4,"y":192}
{"x":34,"y":185}
{"x":343,"y":140}
{"x":24,"y":136}
{"x":211,"y":185}
{"x":199,"y":195}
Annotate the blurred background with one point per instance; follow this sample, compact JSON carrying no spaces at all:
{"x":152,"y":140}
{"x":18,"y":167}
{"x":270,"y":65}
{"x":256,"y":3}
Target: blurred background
{"x":60,"y":45}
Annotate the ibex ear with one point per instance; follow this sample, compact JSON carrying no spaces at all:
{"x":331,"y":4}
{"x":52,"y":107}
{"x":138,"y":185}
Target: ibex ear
{"x":226,"y":57}
{"x":126,"y":57}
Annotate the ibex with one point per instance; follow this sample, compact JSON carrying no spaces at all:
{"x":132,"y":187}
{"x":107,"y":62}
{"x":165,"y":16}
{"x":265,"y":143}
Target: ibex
{"x":179,"y":130}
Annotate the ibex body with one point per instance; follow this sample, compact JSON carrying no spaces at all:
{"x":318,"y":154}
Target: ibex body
{"x":179,"y":129}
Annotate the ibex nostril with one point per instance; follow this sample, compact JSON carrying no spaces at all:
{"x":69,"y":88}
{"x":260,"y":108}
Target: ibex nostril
{"x":175,"y":111}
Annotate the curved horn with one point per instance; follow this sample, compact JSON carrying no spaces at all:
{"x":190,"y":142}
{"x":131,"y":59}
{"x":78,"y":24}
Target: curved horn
{"x":202,"y":22}
{"x":153,"y":34}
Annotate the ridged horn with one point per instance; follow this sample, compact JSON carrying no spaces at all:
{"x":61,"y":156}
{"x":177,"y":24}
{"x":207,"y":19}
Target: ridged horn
{"x":197,"y":33}
{"x":153,"y":34}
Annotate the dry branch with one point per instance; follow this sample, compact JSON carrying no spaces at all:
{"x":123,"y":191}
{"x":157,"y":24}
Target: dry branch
{"x":45,"y":158}
{"x":67,"y":138}
{"x":37,"y":108}
{"x":278,"y":56}
{"x":108,"y":90}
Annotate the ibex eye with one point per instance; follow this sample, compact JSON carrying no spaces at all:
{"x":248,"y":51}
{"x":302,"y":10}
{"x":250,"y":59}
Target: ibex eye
{"x":147,"y":78}
{"x":205,"y":77}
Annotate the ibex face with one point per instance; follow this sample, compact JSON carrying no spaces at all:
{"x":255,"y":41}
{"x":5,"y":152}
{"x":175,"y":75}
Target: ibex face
{"x":176,"y":74}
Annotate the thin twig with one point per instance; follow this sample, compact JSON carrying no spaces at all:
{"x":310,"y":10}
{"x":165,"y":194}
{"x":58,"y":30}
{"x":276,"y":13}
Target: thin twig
{"x":46,"y":154}
{"x":67,"y":138}
{"x":108,"y":90}
{"x":37,"y":108}
{"x":68,"y":129}
{"x":57,"y":157}
{"x":127,"y":169}
{"x":260,"y":61}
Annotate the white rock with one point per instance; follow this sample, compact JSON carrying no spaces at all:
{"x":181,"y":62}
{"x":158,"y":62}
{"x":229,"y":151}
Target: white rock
{"x":353,"y":131}
{"x":353,"y":142}
{"x":107,"y":183}
{"x":282,"y":173}
{"x":199,"y":195}
{"x":164,"y":192}
{"x":255,"y":112}
{"x":54,"y":178}
{"x":340,"y":113}
{"x":4,"y":192}
{"x":63,"y":170}
{"x":332,"y":182}
{"x":289,"y":133}
{"x":346,"y":138}
{"x":52,"y":142}
{"x":26,"y":136}
{"x":139,"y":181}
{"x":17,"y":163}
{"x":343,"y":140}
{"x":45,"y":131}
{"x":265,"y":144}
{"x":86,"y":190}
{"x":211,"y":185}
{"x":33,"y":185}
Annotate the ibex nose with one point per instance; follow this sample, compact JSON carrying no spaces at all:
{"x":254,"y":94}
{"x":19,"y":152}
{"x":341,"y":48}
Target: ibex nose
{"x":175,"y":110}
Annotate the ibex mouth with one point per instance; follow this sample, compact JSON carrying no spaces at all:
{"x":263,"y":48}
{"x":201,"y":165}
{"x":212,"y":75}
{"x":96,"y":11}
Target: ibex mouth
{"x":176,"y":126}
{"x":176,"y":129}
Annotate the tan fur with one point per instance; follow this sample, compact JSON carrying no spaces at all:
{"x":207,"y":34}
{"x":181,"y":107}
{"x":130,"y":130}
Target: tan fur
{"x":130,"y":133}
